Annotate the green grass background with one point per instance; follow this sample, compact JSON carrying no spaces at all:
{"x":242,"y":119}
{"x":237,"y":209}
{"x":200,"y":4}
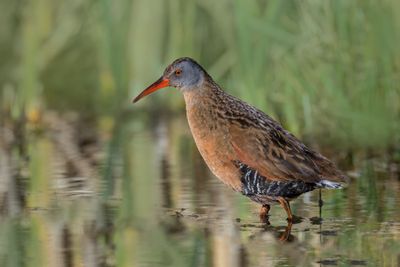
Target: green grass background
{"x":326,"y":69}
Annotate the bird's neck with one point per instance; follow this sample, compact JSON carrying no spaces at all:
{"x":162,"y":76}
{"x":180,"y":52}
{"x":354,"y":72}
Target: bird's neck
{"x":207,"y":95}
{"x":203,"y":107}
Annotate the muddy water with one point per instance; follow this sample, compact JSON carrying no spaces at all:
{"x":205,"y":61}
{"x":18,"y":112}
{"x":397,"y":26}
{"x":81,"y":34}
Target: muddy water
{"x":142,"y":196}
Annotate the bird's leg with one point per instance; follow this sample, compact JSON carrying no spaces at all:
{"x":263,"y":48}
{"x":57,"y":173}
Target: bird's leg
{"x":285,"y":204}
{"x":320,"y":204}
{"x":264,"y":212}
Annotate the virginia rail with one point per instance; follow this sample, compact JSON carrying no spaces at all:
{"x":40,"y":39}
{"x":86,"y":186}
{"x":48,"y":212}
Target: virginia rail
{"x":245,"y":148}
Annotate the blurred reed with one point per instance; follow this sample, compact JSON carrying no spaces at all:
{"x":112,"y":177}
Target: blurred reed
{"x":326,"y":69}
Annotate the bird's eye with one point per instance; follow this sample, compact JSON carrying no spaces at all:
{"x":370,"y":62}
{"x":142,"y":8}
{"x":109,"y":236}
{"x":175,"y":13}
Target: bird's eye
{"x":178,"y":72}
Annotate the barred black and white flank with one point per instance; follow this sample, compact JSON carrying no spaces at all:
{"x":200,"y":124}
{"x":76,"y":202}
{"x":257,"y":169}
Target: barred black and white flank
{"x":260,"y":189}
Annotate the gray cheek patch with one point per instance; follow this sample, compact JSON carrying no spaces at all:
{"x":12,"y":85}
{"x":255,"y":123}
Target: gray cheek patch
{"x":191,"y":79}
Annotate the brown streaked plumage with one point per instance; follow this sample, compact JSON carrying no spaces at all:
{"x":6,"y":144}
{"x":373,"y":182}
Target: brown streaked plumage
{"x":244,"y":147}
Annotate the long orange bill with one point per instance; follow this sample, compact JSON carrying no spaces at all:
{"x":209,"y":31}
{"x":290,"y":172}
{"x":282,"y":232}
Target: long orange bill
{"x":160,"y":83}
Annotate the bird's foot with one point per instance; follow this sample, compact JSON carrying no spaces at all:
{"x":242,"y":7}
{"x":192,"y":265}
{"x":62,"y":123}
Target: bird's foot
{"x":295,"y":219}
{"x":264,"y":217}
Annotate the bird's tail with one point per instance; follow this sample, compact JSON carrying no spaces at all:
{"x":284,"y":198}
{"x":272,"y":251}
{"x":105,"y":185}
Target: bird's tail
{"x":328,"y":184}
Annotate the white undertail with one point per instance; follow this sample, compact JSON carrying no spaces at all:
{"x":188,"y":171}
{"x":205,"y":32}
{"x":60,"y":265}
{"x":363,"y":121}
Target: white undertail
{"x":328,"y":184}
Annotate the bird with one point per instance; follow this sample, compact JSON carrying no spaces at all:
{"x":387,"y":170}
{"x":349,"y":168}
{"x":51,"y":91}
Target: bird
{"x":244,"y":147}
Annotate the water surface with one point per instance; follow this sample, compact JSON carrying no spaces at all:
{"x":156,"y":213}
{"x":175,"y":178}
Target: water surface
{"x":142,"y":196}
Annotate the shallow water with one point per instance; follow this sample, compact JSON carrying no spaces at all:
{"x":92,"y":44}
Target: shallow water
{"x":144,"y":197}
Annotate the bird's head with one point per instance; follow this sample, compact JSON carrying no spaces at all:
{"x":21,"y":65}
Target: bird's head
{"x":183,"y":73}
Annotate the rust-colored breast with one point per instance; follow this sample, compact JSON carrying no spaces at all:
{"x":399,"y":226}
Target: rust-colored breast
{"x":210,"y":133}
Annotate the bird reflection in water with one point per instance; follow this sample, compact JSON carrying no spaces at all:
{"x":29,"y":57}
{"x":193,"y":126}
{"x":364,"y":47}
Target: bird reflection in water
{"x":281,"y":233}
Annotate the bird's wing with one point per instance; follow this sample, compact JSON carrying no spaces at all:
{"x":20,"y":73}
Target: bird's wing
{"x":278,"y":155}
